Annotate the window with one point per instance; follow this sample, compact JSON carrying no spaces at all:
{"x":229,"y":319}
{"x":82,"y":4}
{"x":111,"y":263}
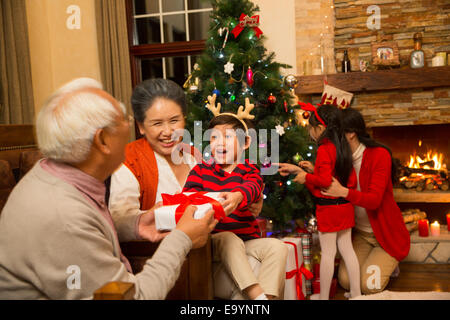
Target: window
{"x":166,"y":37}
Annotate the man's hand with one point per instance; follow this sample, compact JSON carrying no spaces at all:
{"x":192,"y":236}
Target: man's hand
{"x":197,"y":229}
{"x":232,"y":201}
{"x":146,"y":227}
{"x":286,"y":169}
{"x":335,"y":190}
{"x":307,"y":166}
{"x":301,"y":177}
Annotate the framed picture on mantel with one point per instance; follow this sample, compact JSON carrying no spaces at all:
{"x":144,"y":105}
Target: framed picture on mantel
{"x":385,"y":54}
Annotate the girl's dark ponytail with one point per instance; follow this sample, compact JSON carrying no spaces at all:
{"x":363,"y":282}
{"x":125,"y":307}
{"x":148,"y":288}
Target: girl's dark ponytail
{"x":332,"y":117}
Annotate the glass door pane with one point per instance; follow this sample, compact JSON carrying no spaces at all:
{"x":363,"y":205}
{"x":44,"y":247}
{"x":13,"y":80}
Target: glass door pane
{"x":147,"y":30}
{"x":174,"y":28}
{"x":198,"y":25}
{"x":172,"y":5}
{"x":177,"y":69}
{"x":151,"y":68}
{"x":198,"y":4}
{"x":145,"y":6}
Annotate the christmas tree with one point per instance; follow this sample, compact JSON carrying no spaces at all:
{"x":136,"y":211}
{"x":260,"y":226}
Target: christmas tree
{"x":235,"y":65}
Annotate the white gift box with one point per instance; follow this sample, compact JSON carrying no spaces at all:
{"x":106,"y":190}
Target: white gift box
{"x":165,"y":215}
{"x":290,"y":287}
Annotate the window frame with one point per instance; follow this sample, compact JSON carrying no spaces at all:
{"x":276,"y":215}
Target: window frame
{"x":157,"y":50}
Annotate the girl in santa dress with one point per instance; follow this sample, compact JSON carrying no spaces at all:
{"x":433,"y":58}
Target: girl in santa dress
{"x":335,"y":216}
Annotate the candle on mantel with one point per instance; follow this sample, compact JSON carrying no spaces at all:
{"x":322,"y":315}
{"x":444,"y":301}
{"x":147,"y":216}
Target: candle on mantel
{"x":435,"y":229}
{"x":448,"y":221}
{"x":423,"y":228}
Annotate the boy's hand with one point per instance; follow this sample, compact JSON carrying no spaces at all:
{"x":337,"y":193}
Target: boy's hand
{"x":307,"y":166}
{"x":232,"y":201}
{"x":286,"y":169}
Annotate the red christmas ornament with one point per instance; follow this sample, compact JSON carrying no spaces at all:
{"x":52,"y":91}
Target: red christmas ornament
{"x":272,"y":98}
{"x":285,"y":106}
{"x":305,"y":115}
{"x":250,"y":80}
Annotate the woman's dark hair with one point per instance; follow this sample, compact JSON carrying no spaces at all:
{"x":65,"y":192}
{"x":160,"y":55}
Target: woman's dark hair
{"x":332,"y":117}
{"x":353,"y":122}
{"x":148,"y":91}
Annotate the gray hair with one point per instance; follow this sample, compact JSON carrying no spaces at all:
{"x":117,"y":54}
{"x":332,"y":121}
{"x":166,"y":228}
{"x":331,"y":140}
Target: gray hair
{"x":69,"y":119}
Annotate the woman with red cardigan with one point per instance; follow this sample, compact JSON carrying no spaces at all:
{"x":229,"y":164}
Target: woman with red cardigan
{"x":381,"y":239}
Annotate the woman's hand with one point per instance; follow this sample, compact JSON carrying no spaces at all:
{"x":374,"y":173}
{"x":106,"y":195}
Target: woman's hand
{"x":232,"y":201}
{"x":335,"y":190}
{"x":147,"y":228}
{"x":301,"y":177}
{"x":307,"y":166}
{"x":286,"y":169}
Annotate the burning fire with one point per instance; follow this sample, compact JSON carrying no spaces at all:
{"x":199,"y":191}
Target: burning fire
{"x":432,"y":160}
{"x":425,"y":174}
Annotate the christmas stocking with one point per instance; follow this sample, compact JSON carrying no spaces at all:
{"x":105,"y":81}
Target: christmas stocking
{"x":338,"y":97}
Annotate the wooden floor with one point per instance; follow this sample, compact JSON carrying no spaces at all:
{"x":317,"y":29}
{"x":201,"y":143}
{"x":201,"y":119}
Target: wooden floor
{"x":415,"y":277}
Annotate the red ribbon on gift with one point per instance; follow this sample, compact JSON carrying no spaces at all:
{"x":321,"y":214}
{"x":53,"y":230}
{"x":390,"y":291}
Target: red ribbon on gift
{"x":246,"y":21}
{"x":197,"y":198}
{"x":298,"y":272}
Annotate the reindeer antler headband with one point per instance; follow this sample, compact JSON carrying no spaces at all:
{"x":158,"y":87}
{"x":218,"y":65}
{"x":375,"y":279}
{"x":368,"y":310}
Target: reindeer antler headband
{"x":241,"y":115}
{"x":309,"y":107}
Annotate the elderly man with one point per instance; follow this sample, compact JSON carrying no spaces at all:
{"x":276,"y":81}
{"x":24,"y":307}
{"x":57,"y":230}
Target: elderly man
{"x":57,"y":239}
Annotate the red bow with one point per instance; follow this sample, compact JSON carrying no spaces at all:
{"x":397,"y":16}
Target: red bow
{"x":197,"y":198}
{"x":310,"y":107}
{"x":246,"y":21}
{"x":297,"y":272}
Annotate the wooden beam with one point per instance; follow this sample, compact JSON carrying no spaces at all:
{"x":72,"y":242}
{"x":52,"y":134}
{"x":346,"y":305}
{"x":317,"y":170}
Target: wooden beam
{"x":170,"y":49}
{"x":407,"y":78}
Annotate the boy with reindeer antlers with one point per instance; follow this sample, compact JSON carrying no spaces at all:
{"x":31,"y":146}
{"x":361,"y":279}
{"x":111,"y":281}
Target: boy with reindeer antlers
{"x":237,"y":235}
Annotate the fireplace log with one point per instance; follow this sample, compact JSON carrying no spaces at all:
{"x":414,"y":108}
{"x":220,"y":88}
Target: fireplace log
{"x":444,"y":186}
{"x":409,"y":171}
{"x":409,"y":184}
{"x":427,"y":163}
{"x":420,"y":186}
{"x":429,"y":184}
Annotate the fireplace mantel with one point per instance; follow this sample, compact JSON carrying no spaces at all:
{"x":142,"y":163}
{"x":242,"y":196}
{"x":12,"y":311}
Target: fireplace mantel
{"x":360,"y":82}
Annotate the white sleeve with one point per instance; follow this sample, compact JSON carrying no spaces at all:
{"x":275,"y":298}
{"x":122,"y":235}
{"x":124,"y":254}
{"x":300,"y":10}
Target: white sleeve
{"x":124,"y":203}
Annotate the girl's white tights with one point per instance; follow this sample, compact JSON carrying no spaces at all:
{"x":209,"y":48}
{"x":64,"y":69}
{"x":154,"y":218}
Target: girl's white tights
{"x":328,"y":242}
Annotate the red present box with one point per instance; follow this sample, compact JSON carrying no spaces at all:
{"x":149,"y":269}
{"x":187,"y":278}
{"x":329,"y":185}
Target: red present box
{"x":333,"y":287}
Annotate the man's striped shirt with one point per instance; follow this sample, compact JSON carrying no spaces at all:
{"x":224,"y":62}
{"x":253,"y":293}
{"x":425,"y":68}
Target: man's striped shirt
{"x":245,"y":178}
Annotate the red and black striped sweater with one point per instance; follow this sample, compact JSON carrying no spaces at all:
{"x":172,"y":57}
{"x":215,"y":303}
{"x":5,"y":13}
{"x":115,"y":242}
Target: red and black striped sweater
{"x":245,"y":178}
